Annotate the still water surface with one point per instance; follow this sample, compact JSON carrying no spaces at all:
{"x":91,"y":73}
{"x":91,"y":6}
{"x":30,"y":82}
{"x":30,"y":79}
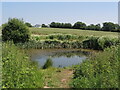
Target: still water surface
{"x":60,"y":57}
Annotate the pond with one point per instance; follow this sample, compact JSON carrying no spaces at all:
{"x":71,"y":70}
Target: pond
{"x":60,"y":57}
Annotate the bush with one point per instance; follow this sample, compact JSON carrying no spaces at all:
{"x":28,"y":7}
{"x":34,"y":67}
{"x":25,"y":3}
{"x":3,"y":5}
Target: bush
{"x":100,"y":43}
{"x":17,"y":70}
{"x":15,"y":30}
{"x":48,"y":63}
{"x":64,"y":37}
{"x":70,"y":41}
{"x":107,"y":42}
{"x":101,"y":71}
{"x":91,"y":43}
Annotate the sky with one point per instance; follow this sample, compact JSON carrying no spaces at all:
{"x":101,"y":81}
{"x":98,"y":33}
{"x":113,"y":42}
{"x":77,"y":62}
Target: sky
{"x":66,"y":12}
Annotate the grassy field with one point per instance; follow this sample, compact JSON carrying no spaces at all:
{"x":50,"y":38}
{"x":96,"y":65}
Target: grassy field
{"x":46,"y":31}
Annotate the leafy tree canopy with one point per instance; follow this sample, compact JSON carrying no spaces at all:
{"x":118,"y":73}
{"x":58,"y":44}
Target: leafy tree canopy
{"x":15,"y":30}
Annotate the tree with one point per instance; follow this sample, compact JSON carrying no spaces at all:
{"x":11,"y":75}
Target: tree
{"x":15,"y":30}
{"x":79,"y":25}
{"x":67,"y":25}
{"x":108,"y":26}
{"x":93,"y":27}
{"x":28,"y":24}
{"x":98,"y":27}
{"x":60,"y":25}
{"x":117,"y":28}
{"x":53,"y":24}
{"x":43,"y":25}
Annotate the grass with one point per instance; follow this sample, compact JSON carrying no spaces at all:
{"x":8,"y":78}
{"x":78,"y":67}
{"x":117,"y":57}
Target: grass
{"x":99,"y":71}
{"x":47,"y":31}
{"x":57,"y":77}
{"x":69,"y":41}
{"x":100,"y":68}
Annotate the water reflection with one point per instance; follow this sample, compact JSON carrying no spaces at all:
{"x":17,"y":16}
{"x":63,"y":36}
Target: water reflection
{"x":60,"y":57}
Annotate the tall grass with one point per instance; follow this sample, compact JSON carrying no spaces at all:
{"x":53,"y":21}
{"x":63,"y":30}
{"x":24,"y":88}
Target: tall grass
{"x":65,"y":37}
{"x":69,"y":41}
{"x":18,"y":71}
{"x":101,"y":71}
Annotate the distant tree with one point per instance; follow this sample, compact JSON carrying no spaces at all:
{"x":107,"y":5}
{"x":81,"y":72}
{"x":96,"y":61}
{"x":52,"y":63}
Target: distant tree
{"x":57,"y":25}
{"x":98,"y":27}
{"x":93,"y":27}
{"x":108,"y":26}
{"x":60,"y":25}
{"x":79,"y":25}
{"x":117,"y":28}
{"x":15,"y":30}
{"x":28,"y":24}
{"x":53,"y":24}
{"x":67,"y":25}
{"x":43,"y":25}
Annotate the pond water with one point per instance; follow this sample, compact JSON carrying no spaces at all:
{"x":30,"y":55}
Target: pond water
{"x":59,"y":57}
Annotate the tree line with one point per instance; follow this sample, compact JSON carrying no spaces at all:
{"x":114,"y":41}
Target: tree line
{"x":107,"y":26}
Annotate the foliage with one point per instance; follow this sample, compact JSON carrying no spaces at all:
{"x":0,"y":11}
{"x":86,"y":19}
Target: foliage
{"x":109,"y":26}
{"x":100,"y":43}
{"x":18,"y":71}
{"x":28,"y":24}
{"x":79,"y":25}
{"x":101,"y":71}
{"x":64,"y":37}
{"x":60,"y":25}
{"x":43,"y":25}
{"x":15,"y":30}
{"x":93,"y":27}
{"x":69,"y":41}
{"x":48,"y":63}
{"x":91,"y":43}
{"x":107,"y":42}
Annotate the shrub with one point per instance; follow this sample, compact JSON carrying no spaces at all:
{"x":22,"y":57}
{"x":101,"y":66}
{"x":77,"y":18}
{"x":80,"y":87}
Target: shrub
{"x":70,"y":41}
{"x":91,"y":43}
{"x":107,"y":42}
{"x":101,"y":71}
{"x":15,"y":30}
{"x":18,"y":71}
{"x":48,"y":63}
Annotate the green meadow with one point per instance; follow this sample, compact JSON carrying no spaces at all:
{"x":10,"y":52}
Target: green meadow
{"x":98,"y":70}
{"x":47,"y":31}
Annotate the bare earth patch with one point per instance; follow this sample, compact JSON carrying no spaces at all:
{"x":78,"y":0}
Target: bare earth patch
{"x":59,"y":79}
